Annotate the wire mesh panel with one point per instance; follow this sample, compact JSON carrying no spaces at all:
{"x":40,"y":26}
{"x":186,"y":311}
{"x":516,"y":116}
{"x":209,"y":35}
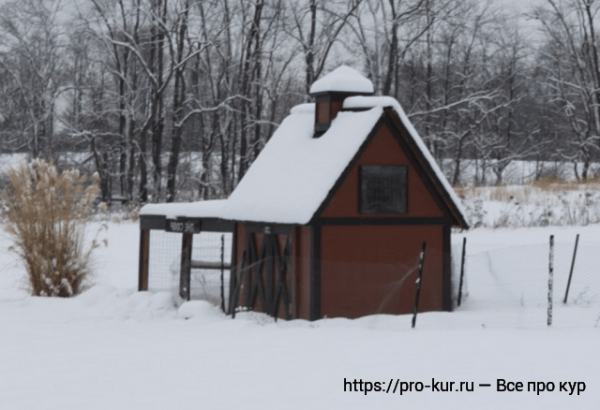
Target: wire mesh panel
{"x":209,"y":249}
{"x":512,"y":285}
{"x":164,"y":260}
{"x":582,"y":307}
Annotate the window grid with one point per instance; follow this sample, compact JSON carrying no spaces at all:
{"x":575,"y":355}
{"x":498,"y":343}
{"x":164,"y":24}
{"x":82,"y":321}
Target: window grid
{"x":383,"y":189}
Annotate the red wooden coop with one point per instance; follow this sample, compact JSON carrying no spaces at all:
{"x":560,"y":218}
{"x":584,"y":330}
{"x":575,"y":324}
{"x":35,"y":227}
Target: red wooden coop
{"x":329,"y":219}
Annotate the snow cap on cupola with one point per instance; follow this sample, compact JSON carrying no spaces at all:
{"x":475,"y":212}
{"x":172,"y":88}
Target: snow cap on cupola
{"x":330,"y":92}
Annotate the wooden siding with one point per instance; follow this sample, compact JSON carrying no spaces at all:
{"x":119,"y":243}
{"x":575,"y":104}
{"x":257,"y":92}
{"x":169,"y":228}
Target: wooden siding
{"x":383,"y":150}
{"x":301,"y":272}
{"x":372,"y":269}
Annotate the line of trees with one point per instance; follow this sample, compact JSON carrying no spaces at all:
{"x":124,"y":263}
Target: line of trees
{"x":174,"y":99}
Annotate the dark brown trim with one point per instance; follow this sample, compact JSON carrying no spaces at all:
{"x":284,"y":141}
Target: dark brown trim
{"x":217,"y":225}
{"x":186,"y":266}
{"x":250,"y":257}
{"x":234,"y":270}
{"x":144,"y":258}
{"x":157,"y":222}
{"x":384,"y":221}
{"x":269,"y":261}
{"x":315,"y":272}
{"x":267,"y":228}
{"x":297,"y":253}
{"x":447,"y":269}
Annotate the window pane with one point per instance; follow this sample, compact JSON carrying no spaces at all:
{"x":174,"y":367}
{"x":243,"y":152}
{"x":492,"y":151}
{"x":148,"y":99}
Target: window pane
{"x":383,"y":189}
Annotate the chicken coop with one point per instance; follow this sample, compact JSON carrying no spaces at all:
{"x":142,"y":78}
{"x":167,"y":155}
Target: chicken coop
{"x":329,"y":219}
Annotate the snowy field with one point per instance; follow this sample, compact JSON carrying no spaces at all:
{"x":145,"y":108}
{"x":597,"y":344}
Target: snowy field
{"x":115,"y":348}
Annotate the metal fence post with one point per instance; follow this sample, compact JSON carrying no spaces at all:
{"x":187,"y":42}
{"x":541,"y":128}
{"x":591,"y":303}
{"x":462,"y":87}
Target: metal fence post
{"x":550,"y":279}
{"x":572,"y":267}
{"x":418,"y":283}
{"x":462,"y":271}
{"x":222,"y":273}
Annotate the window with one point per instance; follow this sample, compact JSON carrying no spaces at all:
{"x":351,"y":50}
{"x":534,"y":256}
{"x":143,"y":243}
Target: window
{"x":383,"y":189}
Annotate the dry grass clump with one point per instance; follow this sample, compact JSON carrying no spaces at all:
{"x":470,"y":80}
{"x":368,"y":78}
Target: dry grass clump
{"x":555,"y":185}
{"x":506,"y":194}
{"x":527,"y":193}
{"x":45,"y":212}
{"x":463,"y":191}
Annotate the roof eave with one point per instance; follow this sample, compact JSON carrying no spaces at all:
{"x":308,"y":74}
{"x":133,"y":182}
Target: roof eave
{"x":458,"y":219}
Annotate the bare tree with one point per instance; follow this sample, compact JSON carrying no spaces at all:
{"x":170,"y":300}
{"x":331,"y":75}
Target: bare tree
{"x":573,"y":74}
{"x":31,"y":61}
{"x":316,"y":26}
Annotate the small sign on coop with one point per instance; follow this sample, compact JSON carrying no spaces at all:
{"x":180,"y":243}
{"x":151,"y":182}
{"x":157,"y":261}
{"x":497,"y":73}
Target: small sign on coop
{"x":180,"y":225}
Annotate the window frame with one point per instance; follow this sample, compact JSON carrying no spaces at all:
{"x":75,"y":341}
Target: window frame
{"x":399,"y":205}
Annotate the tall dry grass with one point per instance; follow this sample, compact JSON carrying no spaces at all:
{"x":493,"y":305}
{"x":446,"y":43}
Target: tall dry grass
{"x":45,"y":212}
{"x":526,"y":193}
{"x":544,"y":202}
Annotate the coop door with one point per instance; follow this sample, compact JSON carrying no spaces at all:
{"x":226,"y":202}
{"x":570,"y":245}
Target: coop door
{"x":265,"y":272}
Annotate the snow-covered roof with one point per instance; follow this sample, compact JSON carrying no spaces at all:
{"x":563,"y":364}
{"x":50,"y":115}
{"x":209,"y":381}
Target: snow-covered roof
{"x":370,"y":102}
{"x":343,"y":79}
{"x":294,"y":173}
{"x":201,"y":209}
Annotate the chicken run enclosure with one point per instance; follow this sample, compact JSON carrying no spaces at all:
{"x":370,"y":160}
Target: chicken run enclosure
{"x":192,"y":264}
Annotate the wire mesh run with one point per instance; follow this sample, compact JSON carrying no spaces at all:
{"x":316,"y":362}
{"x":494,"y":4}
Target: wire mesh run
{"x":512,"y":285}
{"x":211,"y":249}
{"x":164,"y":260}
{"x":208,"y":249}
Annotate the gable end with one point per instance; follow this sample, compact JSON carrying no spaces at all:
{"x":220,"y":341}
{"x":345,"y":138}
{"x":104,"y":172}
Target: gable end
{"x":414,"y":156}
{"x":422,"y":166}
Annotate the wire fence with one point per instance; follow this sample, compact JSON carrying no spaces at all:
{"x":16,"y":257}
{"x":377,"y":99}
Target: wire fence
{"x":211,"y":248}
{"x":508,"y":287}
{"x":208,"y":249}
{"x":513,"y":286}
{"x":164,"y":259}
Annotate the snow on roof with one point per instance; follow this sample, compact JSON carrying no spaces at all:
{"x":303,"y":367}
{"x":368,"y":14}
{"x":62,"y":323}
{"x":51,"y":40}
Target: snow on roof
{"x":370,"y":102}
{"x":201,"y":209}
{"x":343,"y":79}
{"x":294,"y":173}
{"x":308,"y":108}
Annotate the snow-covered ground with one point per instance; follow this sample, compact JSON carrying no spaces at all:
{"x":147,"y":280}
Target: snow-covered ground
{"x":115,"y":348}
